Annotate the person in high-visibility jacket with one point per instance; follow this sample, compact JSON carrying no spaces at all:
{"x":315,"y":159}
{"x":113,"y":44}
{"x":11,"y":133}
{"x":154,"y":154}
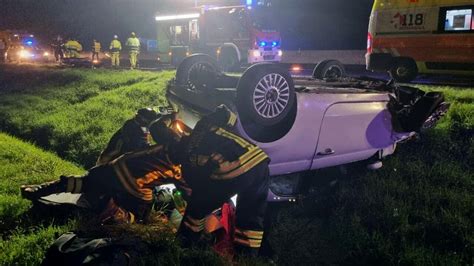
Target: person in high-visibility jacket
{"x":95,"y":49}
{"x":73,"y":48}
{"x":216,"y":165}
{"x":121,"y":191}
{"x":133,"y":45}
{"x":115,"y":48}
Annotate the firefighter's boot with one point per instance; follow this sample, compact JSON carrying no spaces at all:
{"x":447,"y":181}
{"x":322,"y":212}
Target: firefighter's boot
{"x":34,"y":192}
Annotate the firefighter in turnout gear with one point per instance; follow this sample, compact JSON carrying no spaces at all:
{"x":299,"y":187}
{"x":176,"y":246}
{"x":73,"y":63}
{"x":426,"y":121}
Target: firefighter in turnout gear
{"x":122,"y":190}
{"x":133,"y":135}
{"x":73,"y":48}
{"x":115,"y":48}
{"x":95,"y":50}
{"x":58,"y":47}
{"x":133,"y":45}
{"x":218,"y":164}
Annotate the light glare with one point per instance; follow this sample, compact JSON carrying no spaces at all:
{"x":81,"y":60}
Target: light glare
{"x":175,"y":17}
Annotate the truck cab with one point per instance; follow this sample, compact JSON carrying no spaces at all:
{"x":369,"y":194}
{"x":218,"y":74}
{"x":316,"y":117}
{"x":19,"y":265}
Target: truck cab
{"x":235,"y":35}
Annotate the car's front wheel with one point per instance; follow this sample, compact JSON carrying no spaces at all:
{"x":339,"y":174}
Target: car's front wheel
{"x":265,"y":94}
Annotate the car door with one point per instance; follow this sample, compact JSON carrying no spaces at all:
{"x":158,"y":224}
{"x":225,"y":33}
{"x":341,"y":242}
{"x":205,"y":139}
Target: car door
{"x":352,"y":131}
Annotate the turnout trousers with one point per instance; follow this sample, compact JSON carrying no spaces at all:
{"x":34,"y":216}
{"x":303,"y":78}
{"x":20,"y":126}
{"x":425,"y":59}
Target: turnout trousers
{"x":100,"y":185}
{"x":209,"y":194}
{"x":115,"y":56}
{"x":133,"y":58}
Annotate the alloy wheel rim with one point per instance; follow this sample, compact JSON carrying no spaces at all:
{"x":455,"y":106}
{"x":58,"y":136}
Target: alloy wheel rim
{"x":271,"y":95}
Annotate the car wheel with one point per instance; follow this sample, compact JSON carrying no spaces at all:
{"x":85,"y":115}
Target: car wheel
{"x":404,"y":70}
{"x":228,"y":59}
{"x":265,"y":94}
{"x":330,"y":70}
{"x":197,"y":72}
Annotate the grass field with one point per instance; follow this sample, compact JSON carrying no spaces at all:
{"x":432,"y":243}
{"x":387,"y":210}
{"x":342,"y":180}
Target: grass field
{"x":417,"y":210}
{"x":24,"y":237}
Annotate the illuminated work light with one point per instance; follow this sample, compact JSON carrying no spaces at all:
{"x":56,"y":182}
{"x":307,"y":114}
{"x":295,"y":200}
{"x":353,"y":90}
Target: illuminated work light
{"x":24,"y":54}
{"x":176,"y":17}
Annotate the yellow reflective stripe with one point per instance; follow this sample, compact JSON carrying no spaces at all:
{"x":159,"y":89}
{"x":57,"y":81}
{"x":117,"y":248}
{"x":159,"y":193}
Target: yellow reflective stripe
{"x":241,"y":169}
{"x":70,"y":184}
{"x":78,"y":185}
{"x":253,"y":162}
{"x":232,"y":119}
{"x":132,"y":218}
{"x":250,"y":233}
{"x":237,"y":139}
{"x":248,"y":155}
{"x":248,"y":242}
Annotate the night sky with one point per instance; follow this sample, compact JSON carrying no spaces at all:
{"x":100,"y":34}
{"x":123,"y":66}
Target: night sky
{"x":304,"y":24}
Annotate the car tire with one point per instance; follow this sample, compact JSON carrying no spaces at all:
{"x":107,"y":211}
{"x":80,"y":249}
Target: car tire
{"x":265,"y":94}
{"x":329,"y":69}
{"x":404,"y":70}
{"x":197,"y":72}
{"x":228,"y":59}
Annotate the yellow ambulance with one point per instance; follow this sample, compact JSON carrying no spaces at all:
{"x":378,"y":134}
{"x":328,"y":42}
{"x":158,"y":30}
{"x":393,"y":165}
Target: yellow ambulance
{"x":407,"y":37}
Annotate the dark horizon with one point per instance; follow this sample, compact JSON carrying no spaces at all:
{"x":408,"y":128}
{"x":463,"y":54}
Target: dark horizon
{"x":304,"y":24}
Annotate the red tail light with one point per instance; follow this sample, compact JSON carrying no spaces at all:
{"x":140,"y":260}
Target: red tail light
{"x":369,"y":43}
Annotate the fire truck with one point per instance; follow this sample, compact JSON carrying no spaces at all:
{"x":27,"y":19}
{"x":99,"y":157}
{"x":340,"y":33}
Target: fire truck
{"x":234,"y":34}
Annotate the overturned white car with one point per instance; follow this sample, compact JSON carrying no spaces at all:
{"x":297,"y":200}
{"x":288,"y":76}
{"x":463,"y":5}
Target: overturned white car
{"x":306,"y":123}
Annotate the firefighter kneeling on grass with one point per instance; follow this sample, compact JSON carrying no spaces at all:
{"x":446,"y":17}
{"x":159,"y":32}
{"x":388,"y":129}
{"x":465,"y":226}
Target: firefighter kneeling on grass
{"x":122,"y":190}
{"x":218,"y":164}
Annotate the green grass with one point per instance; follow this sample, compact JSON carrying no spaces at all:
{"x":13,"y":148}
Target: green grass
{"x":24,"y":237}
{"x":74,"y":112}
{"x":26,"y":233}
{"x":417,"y":210}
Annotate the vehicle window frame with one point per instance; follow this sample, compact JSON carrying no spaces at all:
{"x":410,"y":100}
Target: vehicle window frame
{"x":442,"y":19}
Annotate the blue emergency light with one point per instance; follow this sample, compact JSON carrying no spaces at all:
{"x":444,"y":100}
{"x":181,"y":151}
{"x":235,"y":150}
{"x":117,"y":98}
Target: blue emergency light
{"x":274,"y":44}
{"x":29,"y":43}
{"x":263,"y":43}
{"x":249,"y":2}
